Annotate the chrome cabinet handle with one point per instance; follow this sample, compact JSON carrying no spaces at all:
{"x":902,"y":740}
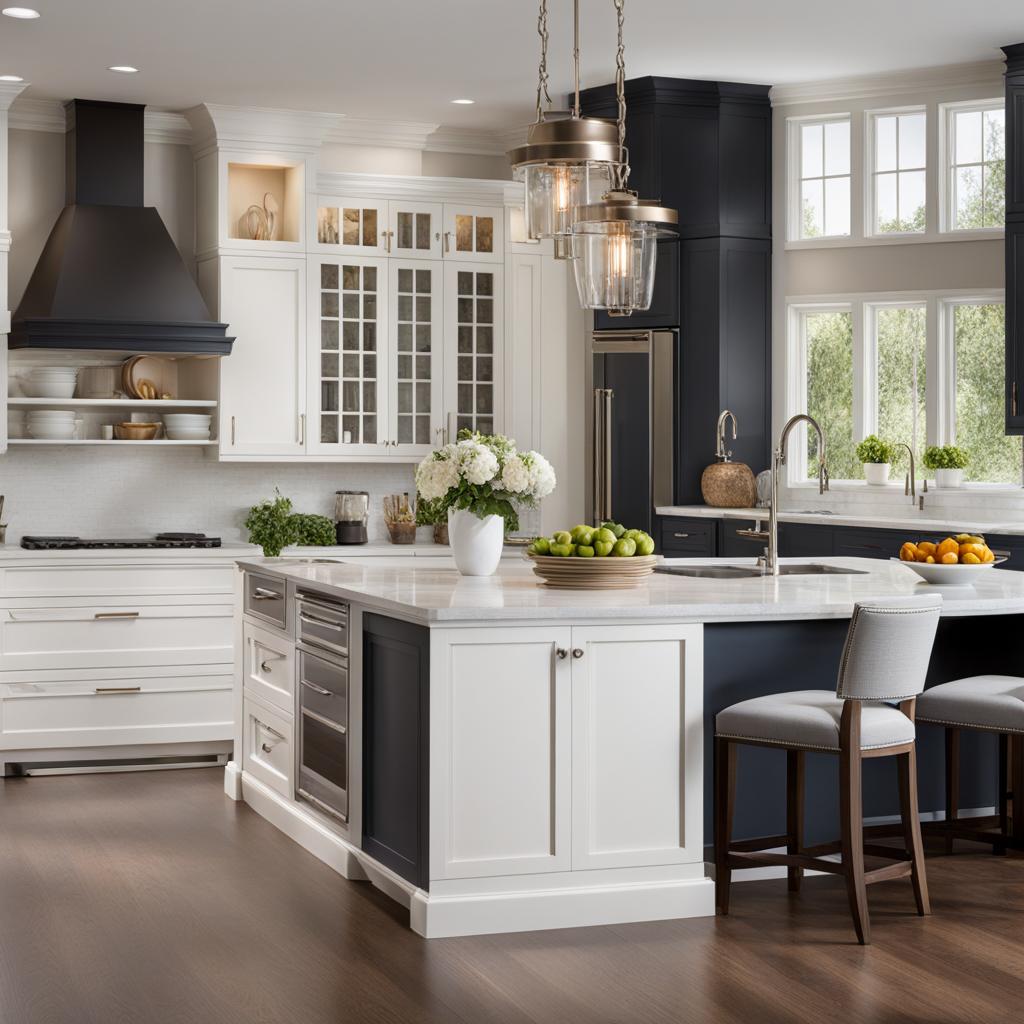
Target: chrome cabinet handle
{"x":577,"y":652}
{"x":302,"y":428}
{"x":262,"y":594}
{"x":562,"y":653}
{"x":447,"y":242}
{"x":267,"y":748}
{"x":116,"y":615}
{"x":315,"y":688}
{"x":681,"y":536}
{"x":265,"y":664}
{"x":232,"y":430}
{"x":273,"y":732}
{"x":119,"y":689}
{"x":306,"y":617}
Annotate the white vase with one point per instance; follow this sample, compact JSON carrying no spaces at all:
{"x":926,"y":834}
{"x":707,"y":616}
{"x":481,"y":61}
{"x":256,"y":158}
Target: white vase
{"x":949,"y":477}
{"x":476,"y":543}
{"x":876,"y":473}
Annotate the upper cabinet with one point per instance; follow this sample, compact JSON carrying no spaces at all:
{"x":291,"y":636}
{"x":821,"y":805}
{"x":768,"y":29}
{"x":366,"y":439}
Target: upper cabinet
{"x":414,"y":230}
{"x":1014,"y":238}
{"x":351,"y":226}
{"x":474,"y":233}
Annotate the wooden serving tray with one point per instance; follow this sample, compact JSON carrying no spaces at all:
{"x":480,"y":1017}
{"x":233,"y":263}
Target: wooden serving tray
{"x":608,"y":573}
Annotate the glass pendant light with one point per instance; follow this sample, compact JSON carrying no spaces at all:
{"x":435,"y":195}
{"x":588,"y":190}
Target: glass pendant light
{"x":615,"y":240}
{"x":568,"y":161}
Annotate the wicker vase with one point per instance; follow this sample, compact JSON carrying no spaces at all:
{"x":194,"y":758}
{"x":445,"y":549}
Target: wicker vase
{"x":729,"y":485}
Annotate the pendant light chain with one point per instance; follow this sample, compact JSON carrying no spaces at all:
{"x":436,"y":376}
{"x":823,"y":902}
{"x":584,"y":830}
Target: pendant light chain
{"x":542,"y":72}
{"x":622,"y":171}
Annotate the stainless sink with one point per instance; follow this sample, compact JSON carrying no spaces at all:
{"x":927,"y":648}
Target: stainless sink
{"x":739,"y":572}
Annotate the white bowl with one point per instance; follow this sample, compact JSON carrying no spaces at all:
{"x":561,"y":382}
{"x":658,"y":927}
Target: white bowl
{"x":950,"y":575}
{"x":50,"y":414}
{"x":41,"y":433}
{"x":48,"y":390}
{"x":49,"y":373}
{"x":187,"y":435}
{"x":54,"y":369}
{"x":187,"y":419}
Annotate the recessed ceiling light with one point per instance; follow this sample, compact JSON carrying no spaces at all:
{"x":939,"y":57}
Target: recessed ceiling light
{"x":11,"y":78}
{"x":26,"y":13}
{"x":464,"y":103}
{"x":124,"y":69}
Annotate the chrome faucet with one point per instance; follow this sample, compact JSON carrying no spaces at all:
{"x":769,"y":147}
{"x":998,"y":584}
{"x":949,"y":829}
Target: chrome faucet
{"x":720,"y":450}
{"x":769,"y":561}
{"x":910,"y":481}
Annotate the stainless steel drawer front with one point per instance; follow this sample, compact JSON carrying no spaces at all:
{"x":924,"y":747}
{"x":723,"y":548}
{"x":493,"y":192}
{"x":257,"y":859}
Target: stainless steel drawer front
{"x":323,"y":624}
{"x":323,"y":687}
{"x":265,"y":599}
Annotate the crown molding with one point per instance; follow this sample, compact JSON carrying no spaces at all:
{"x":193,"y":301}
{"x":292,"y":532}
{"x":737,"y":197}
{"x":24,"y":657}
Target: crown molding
{"x":891,"y":83}
{"x":52,"y":116}
{"x":9,"y":93}
{"x":485,"y":191}
{"x":365,"y":131}
{"x":258,"y":128}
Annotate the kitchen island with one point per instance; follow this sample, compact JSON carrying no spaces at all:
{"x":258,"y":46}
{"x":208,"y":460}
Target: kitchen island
{"x":517,"y":757}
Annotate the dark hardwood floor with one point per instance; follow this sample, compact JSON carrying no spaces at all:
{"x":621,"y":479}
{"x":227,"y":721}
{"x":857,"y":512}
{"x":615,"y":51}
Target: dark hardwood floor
{"x":153,"y":899}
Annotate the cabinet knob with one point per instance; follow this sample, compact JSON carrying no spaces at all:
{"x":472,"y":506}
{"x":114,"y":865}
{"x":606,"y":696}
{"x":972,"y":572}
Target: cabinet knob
{"x":577,"y":652}
{"x":562,"y":653}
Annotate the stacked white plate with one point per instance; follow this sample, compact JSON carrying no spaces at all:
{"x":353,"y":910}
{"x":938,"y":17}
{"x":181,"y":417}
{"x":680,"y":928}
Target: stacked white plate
{"x":50,"y":424}
{"x":50,"y":382}
{"x":181,"y":426}
{"x":15,"y":422}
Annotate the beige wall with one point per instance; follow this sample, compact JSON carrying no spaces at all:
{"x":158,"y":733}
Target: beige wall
{"x":465,"y":165}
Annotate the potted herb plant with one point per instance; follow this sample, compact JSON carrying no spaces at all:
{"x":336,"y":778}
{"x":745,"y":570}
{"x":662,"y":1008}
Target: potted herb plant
{"x":877,"y":456}
{"x":948,"y":461}
{"x":476,"y":482}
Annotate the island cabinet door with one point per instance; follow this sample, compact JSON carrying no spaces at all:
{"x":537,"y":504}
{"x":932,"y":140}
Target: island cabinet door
{"x":637,"y":728}
{"x":500,"y":751}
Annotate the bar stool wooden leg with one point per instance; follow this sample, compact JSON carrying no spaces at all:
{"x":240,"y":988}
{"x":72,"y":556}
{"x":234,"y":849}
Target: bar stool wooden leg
{"x":1017,"y":787}
{"x":794,"y":813}
{"x":1003,"y":805}
{"x":851,"y":818}
{"x":725,"y":793}
{"x":907,"y":768}
{"x":952,"y":783}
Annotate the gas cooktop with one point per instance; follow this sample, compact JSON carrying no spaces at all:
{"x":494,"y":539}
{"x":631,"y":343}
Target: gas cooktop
{"x":161,"y":540}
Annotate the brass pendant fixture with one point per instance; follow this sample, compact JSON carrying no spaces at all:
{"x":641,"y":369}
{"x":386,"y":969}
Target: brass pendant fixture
{"x":568,"y":160}
{"x":615,"y":240}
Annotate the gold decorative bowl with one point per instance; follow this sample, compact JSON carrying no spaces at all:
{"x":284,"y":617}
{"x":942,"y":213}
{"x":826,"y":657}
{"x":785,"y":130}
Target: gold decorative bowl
{"x":136,"y":431}
{"x":608,"y":573}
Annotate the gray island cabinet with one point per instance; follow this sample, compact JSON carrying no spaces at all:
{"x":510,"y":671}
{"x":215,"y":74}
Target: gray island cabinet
{"x":516,"y":757}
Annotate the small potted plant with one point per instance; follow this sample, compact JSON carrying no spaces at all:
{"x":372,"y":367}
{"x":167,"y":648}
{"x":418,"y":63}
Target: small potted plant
{"x":949,"y":463}
{"x":876,"y":455}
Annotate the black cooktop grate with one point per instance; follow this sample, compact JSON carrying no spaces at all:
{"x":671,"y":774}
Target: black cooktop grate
{"x":161,"y":540}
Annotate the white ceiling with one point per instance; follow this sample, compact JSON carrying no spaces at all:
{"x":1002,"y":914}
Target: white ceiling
{"x":407,"y":59}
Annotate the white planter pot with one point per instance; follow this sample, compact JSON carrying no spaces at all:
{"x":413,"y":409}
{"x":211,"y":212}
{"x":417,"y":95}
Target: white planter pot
{"x":876,"y":473}
{"x":476,"y":543}
{"x":949,"y":477}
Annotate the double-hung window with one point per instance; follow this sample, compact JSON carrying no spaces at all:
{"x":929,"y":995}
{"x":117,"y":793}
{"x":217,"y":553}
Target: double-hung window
{"x":975,"y":166}
{"x":820,"y":151}
{"x":898,"y":162}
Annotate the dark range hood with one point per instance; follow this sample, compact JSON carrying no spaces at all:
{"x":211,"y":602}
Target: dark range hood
{"x":110,"y":277}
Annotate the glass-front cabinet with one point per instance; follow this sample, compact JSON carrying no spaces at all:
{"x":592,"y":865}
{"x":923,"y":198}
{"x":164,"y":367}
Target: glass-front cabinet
{"x":356,"y":227}
{"x":347,"y":355}
{"x":414,"y":230}
{"x":474,"y":233}
{"x":474,"y":350}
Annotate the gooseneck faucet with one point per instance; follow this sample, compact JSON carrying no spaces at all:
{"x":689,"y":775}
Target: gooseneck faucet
{"x":769,"y":561}
{"x":720,"y":450}
{"x":910,"y":481}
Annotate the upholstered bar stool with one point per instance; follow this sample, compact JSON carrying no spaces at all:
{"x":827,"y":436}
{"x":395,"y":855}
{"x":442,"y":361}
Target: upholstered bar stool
{"x":991,"y":704}
{"x":884,"y":660}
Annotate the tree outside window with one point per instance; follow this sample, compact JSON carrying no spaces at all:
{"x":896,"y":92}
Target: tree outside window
{"x":898,"y":172}
{"x":824,"y":185}
{"x":901,"y":343}
{"x":828,"y":348}
{"x":977,"y":167}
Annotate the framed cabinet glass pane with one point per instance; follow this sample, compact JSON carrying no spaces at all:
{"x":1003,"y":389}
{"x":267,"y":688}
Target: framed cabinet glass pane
{"x":474,"y":233}
{"x":351,"y":226}
{"x":415,"y":230}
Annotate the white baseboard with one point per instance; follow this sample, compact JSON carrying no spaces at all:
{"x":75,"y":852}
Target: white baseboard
{"x":233,"y":780}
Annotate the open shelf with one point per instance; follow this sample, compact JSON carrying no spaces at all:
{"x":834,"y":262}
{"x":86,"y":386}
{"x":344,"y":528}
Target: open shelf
{"x":121,"y":444}
{"x":113,"y":403}
{"x":247,"y":187}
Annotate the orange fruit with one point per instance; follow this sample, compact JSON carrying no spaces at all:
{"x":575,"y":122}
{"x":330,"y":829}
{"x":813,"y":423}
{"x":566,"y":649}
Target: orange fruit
{"x":949,"y":558}
{"x":927,"y":547}
{"x":947,"y":547}
{"x":908,"y":553}
{"x":978,"y":550}
{"x":970,"y":558}
{"x":930,"y":559}
{"x":988,"y":556}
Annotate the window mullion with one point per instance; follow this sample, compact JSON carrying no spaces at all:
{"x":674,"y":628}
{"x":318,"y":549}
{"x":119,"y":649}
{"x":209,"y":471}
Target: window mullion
{"x":865,"y":371}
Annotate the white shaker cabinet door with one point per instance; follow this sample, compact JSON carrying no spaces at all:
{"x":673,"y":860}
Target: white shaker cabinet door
{"x":637,"y":741}
{"x":414,"y":230}
{"x":500,"y":752}
{"x":263,"y":381}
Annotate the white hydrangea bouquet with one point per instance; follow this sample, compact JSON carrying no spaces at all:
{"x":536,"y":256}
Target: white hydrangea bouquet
{"x":476,"y":483}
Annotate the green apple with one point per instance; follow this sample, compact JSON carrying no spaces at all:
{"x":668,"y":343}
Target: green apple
{"x":541,"y":546}
{"x":617,"y":528}
{"x":633,"y":534}
{"x":584,"y":551}
{"x":625,"y":548}
{"x":604,"y":536}
{"x":561,"y":550}
{"x":645,"y":545}
{"x":561,"y":537}
{"x":580,"y":531}
{"x":603,"y":548}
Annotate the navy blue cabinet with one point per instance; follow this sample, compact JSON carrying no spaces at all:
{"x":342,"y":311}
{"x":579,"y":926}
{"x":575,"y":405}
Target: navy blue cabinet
{"x":1014,"y":238}
{"x":688,"y":538}
{"x":805,"y":540}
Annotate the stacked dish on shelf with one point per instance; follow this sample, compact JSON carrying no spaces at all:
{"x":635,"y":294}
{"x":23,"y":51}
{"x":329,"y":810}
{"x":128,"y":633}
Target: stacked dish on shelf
{"x":15,"y":423}
{"x":50,"y":424}
{"x":181,"y":426}
{"x":50,"y":382}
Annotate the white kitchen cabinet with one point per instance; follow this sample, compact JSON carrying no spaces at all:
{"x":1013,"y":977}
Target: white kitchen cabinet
{"x":268,"y":666}
{"x":268,"y":746}
{"x":263,"y":381}
{"x":523,"y":350}
{"x":500,"y":752}
{"x":414,"y":230}
{"x":637,"y":736}
{"x":350,"y":227}
{"x":474,"y":354}
{"x":348,"y":355}
{"x":474,"y":233}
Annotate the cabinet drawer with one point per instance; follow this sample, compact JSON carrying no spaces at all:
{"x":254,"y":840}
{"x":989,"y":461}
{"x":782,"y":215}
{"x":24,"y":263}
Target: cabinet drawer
{"x":692,"y":537}
{"x":124,"y":710}
{"x":324,"y":687}
{"x":114,"y":635}
{"x":269,"y":667}
{"x":268,"y":745}
{"x":76,"y":579}
{"x":266,"y":599}
{"x":867,"y":543}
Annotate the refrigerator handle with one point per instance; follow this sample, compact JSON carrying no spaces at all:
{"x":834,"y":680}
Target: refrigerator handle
{"x":602,"y":454}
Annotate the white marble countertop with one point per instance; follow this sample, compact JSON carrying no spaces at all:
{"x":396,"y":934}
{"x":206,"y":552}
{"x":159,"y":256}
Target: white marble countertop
{"x":442,"y":596}
{"x":913,"y":522}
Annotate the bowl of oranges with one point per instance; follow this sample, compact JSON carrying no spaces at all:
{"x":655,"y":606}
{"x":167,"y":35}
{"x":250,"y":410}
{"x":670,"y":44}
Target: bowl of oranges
{"x":959,"y":559}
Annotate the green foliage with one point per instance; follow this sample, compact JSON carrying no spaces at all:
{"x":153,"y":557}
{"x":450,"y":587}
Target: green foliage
{"x":830,"y":393}
{"x":945,"y":457}
{"x":874,"y":449}
{"x":312,"y":530}
{"x":915,"y":222}
{"x":901,"y":379}
{"x":980,"y":202}
{"x":272,"y":525}
{"x":429,"y":513}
